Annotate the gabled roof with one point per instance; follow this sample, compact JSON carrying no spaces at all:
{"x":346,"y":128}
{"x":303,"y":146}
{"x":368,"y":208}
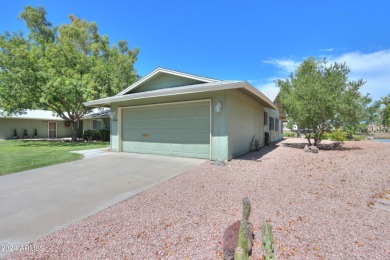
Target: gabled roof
{"x":160,"y":70}
{"x":197,"y":88}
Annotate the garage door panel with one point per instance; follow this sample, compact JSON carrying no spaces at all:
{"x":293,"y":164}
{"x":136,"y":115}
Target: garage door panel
{"x":168,"y":137}
{"x":180,"y":125}
{"x":170,"y":129}
{"x":183,"y":150}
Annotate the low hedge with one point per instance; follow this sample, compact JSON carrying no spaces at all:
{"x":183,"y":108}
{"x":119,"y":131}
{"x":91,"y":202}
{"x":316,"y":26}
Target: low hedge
{"x":97,"y":135}
{"x":358,"y":137}
{"x":326,"y":136}
{"x":289,"y":134}
{"x":338,"y":135}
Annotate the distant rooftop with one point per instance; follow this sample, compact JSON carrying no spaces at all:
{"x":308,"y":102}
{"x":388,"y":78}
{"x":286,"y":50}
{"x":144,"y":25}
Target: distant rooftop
{"x":49,"y":115}
{"x":98,"y":113}
{"x":33,"y":114}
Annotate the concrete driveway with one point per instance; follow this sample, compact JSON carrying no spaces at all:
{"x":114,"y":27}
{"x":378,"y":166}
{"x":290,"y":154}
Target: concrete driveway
{"x":37,"y":202}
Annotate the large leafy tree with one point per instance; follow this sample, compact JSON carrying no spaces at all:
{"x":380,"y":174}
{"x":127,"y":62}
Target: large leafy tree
{"x":385,"y":112}
{"x":60,"y":67}
{"x":374,"y":113}
{"x":319,"y":95}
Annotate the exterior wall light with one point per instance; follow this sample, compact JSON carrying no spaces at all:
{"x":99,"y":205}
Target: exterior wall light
{"x":113,"y":116}
{"x":218,"y":107}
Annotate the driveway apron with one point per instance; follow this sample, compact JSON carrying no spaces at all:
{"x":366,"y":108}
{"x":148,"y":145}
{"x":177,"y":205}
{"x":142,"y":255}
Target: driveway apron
{"x":37,"y":202}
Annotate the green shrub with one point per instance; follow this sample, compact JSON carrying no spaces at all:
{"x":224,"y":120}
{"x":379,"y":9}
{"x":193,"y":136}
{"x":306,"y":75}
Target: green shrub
{"x":267,"y":138}
{"x":358,"y":137}
{"x":87,"y":135}
{"x":97,"y":135}
{"x":338,"y":135}
{"x":105,"y":134}
{"x":289,"y":134}
{"x":326,"y":136}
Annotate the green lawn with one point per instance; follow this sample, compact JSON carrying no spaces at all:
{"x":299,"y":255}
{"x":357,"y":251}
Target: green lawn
{"x":16,"y":156}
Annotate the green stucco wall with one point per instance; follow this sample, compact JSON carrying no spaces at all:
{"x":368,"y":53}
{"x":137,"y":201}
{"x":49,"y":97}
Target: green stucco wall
{"x":275,"y":135}
{"x":87,"y":124}
{"x":245,"y":122}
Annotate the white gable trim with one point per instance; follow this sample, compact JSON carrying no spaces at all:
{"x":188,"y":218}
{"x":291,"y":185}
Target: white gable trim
{"x":167,"y":71}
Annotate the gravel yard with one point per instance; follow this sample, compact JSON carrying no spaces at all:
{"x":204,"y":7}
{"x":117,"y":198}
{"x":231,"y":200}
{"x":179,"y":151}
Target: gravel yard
{"x":316,"y":203}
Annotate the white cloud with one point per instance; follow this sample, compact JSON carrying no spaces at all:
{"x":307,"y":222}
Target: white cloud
{"x":327,"y":50}
{"x":286,"y":65}
{"x":374,"y":68}
{"x":269,"y":89}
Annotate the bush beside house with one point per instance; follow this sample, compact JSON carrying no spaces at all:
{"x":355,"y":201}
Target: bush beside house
{"x":97,"y":135}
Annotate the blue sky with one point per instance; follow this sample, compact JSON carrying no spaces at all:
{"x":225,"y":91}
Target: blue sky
{"x":255,"y":41}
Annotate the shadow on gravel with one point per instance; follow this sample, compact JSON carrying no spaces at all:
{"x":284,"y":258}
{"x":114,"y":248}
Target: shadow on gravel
{"x":263,"y":151}
{"x":336,"y":146}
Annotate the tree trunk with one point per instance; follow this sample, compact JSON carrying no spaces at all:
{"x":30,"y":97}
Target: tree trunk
{"x":75,"y":129}
{"x":308,"y":139}
{"x":317,"y":138}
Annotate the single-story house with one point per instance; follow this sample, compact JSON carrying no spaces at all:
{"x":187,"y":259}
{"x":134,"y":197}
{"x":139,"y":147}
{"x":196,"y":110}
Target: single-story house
{"x":34,"y":123}
{"x":174,"y":113}
{"x":45,"y":124}
{"x":96,"y":120}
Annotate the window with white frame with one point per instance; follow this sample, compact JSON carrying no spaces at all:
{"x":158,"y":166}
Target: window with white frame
{"x":271,"y":123}
{"x":96,"y":124}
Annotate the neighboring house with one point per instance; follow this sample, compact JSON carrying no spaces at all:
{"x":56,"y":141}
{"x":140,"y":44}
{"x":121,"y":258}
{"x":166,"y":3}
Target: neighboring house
{"x":96,"y":120}
{"x":173,"y":113}
{"x":285,"y":128}
{"x":377,"y":128}
{"x":49,"y":125}
{"x":44,"y":122}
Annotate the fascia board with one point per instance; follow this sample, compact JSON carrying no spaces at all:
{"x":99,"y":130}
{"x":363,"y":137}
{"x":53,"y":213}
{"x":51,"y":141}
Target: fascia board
{"x":214,"y":86}
{"x":167,"y":92}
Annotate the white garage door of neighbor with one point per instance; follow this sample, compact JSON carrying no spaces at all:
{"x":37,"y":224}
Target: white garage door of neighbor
{"x":178,"y":129}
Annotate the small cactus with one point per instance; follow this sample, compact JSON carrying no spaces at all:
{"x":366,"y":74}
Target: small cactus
{"x":246,"y":209}
{"x":245,"y":237}
{"x":268,"y":241}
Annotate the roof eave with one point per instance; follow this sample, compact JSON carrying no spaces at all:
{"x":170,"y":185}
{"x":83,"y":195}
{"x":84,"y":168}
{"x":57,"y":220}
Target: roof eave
{"x":185,"y":90}
{"x":266,"y":101}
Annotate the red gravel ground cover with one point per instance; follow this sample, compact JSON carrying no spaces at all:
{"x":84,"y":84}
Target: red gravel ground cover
{"x":316,"y":203}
